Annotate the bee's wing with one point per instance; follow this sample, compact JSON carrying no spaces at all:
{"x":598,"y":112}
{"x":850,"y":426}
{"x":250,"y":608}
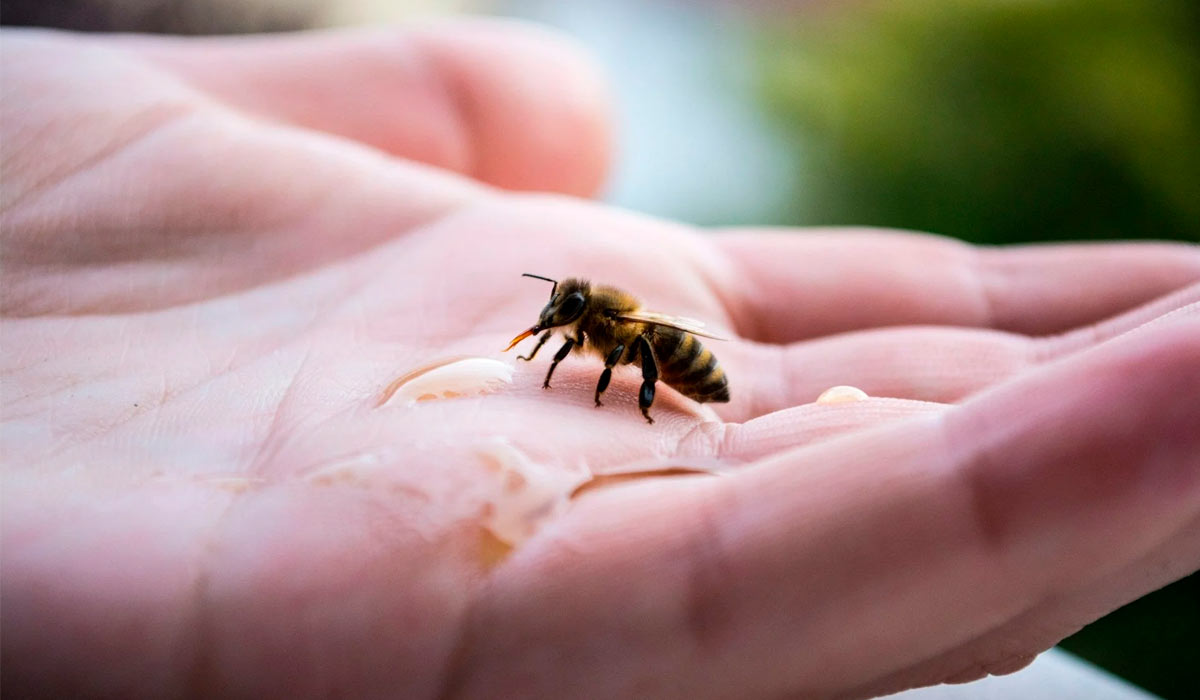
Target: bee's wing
{"x":688,"y":325}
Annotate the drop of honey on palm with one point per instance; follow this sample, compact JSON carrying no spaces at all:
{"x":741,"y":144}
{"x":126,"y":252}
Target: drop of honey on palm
{"x":842,"y":394}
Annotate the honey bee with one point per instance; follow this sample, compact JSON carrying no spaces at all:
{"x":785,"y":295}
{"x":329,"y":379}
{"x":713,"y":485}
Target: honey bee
{"x":611,"y":323}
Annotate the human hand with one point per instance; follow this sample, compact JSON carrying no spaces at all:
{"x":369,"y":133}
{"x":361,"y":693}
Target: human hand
{"x":219,"y":252}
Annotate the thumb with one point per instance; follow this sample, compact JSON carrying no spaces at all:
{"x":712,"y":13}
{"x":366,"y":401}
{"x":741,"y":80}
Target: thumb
{"x":504,"y":102}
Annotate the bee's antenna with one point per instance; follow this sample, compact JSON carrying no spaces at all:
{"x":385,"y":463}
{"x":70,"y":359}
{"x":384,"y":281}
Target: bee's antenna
{"x":539,"y":277}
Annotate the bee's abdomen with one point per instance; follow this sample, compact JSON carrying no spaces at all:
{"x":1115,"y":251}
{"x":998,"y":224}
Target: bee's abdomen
{"x":689,"y":367}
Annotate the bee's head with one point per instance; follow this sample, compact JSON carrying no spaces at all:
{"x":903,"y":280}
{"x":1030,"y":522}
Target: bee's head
{"x":567,"y":302}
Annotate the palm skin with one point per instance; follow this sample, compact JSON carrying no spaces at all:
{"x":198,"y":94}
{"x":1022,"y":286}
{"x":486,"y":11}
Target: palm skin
{"x":217,"y":256}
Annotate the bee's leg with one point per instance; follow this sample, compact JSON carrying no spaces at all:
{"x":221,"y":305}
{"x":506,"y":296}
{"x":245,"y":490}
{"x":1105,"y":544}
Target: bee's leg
{"x":541,"y":341}
{"x":613,"y":358}
{"x":558,"y":357}
{"x":649,"y":377}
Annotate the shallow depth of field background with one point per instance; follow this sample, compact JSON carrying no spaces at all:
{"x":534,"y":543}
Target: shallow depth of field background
{"x":995,"y":121}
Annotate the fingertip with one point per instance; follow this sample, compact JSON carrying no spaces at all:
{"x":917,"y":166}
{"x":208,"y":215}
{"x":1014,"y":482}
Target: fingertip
{"x":533,"y":104}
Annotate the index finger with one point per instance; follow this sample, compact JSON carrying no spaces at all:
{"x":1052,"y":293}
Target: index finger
{"x":783,"y":287}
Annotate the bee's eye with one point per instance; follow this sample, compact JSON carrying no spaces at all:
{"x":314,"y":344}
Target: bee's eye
{"x":571,"y":306}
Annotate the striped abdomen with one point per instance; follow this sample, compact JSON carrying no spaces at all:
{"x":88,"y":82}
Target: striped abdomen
{"x":688,"y":366}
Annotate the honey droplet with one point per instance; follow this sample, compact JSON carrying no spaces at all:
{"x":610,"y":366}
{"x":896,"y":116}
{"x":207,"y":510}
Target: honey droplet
{"x":842,"y":394}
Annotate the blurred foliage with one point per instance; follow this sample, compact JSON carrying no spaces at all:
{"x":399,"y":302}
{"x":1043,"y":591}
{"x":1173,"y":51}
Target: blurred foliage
{"x":994,"y":120}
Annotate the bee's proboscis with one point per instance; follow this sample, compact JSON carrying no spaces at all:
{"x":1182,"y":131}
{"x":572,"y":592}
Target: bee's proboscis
{"x":521,"y":337}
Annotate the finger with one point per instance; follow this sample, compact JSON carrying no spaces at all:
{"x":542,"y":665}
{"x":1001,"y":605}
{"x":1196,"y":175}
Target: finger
{"x":862,"y":555}
{"x":504,"y":102}
{"x":782,"y":287}
{"x":919,"y":364}
{"x":924,"y":364}
{"x":793,"y":427}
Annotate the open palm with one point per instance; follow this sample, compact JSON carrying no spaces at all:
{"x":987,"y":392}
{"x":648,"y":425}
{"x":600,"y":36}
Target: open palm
{"x":218,"y":254}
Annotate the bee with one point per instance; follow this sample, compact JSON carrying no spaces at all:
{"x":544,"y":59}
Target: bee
{"x":611,"y":323}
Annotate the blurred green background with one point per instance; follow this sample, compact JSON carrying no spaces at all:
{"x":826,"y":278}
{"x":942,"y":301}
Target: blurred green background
{"x":996,"y":121}
{"x":993,"y":120}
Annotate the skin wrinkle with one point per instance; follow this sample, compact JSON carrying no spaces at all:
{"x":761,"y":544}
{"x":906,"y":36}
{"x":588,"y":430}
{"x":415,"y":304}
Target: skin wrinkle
{"x":707,"y":616}
{"x":746,"y":324}
{"x":967,"y":670}
{"x":787,"y":371}
{"x":1052,"y":347}
{"x":706,"y":263}
{"x":149,"y":121}
{"x":1048,"y":348}
{"x":979,"y":670}
{"x":703,"y":439}
{"x":969,"y":462}
{"x":202,"y":671}
{"x":452,"y":676}
{"x":977,"y":273}
{"x":710,"y":262}
{"x":974,"y":462}
{"x":203,"y":675}
{"x":273,"y":437}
